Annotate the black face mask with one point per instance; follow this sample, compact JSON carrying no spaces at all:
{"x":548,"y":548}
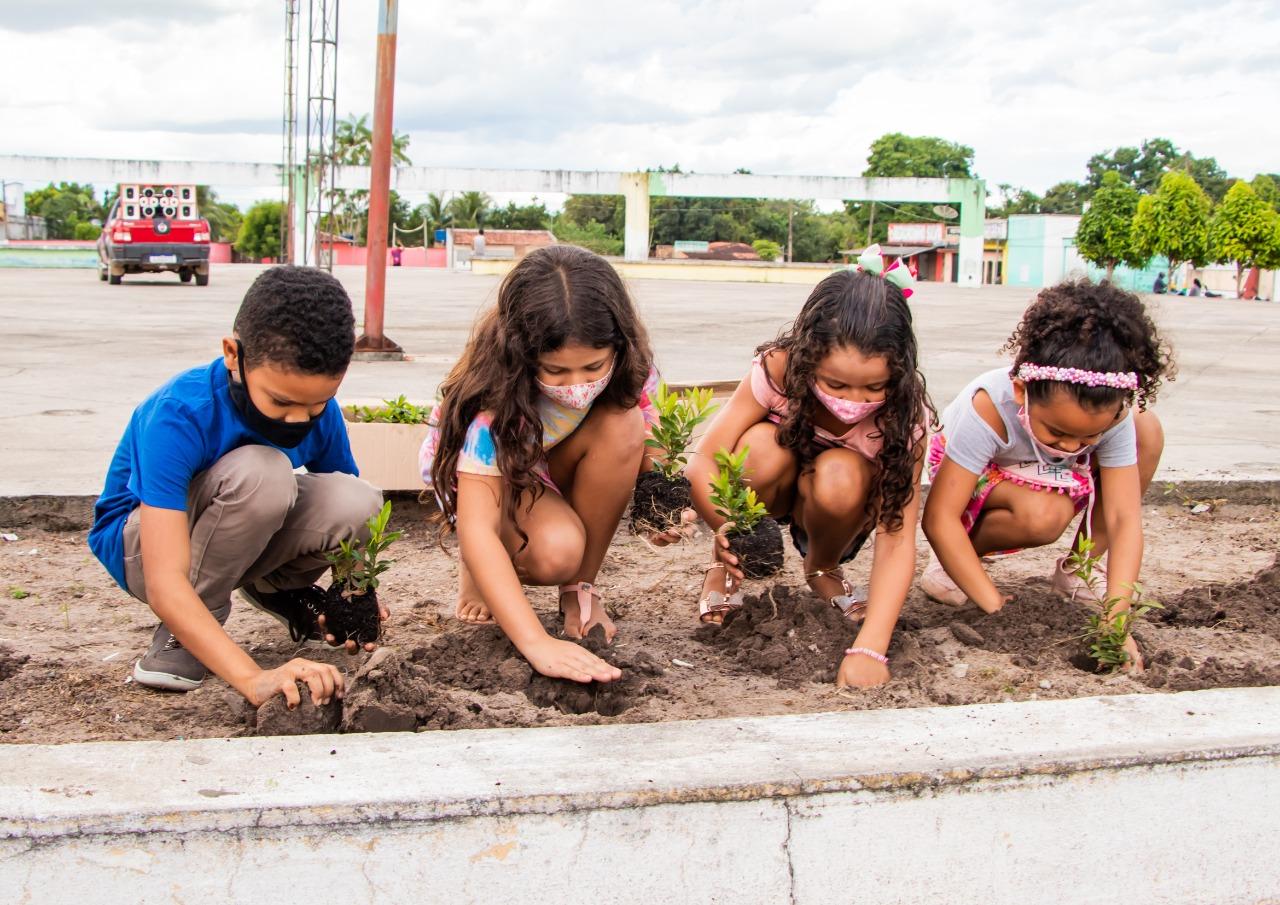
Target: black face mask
{"x":285,"y":434}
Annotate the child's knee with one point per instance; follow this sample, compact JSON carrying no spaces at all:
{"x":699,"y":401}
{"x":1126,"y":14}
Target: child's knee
{"x":624,"y":430}
{"x":1150,"y":435}
{"x":1043,"y":525}
{"x":556,"y":557}
{"x":840,"y":480}
{"x":351,"y":502}
{"x":257,"y":479}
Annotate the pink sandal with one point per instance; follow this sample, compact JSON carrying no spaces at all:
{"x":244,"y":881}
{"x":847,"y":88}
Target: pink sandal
{"x":585,"y":591}
{"x":718,"y":603}
{"x":852,"y":603}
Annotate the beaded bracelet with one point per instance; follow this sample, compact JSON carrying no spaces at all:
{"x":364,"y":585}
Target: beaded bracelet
{"x":868,"y":652}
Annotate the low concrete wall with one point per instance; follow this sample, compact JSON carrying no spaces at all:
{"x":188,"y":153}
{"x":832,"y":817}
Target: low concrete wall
{"x":1169,"y":798}
{"x":701,"y":271}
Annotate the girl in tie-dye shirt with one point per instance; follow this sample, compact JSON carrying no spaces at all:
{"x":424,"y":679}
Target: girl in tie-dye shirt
{"x":535,"y":447}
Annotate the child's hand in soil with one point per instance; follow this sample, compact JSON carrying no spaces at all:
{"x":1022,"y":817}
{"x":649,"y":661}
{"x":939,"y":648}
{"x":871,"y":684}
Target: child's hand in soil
{"x":566,"y":660}
{"x":687,"y":528}
{"x":323,"y":679}
{"x":1136,"y":664}
{"x":989,"y":606}
{"x":350,"y":646}
{"x":859,"y":671}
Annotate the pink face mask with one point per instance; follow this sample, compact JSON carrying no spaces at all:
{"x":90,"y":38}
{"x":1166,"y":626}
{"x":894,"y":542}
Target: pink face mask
{"x":1054,"y":455}
{"x":846,"y":412}
{"x":575,"y":395}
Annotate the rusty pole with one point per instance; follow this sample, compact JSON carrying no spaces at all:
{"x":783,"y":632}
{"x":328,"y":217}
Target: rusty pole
{"x":373,"y":343}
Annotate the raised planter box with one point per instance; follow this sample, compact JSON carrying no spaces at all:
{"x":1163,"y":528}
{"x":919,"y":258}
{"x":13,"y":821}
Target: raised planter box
{"x":1173,"y":798}
{"x":387,"y":454}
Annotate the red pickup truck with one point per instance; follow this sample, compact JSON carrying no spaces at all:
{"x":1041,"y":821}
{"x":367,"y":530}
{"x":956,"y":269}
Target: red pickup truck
{"x":152,"y":229}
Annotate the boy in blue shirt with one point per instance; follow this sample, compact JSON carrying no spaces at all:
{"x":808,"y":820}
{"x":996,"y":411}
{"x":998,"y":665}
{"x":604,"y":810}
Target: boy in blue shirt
{"x":202,"y":497}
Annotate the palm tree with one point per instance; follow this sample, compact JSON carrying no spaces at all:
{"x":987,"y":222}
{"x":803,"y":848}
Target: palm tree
{"x":436,"y":213}
{"x":468,"y":209}
{"x":353,"y":143}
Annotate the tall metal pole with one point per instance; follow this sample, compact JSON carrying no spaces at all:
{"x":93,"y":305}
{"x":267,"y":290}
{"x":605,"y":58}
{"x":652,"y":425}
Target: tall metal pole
{"x":289,"y":214}
{"x":373,"y":343}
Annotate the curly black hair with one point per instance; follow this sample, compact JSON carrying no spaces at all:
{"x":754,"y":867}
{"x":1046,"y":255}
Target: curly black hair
{"x":863,"y":310}
{"x":298,"y":318}
{"x":1094,"y":327}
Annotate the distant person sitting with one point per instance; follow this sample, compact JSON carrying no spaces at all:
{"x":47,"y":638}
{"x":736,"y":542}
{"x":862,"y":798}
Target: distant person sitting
{"x":1159,"y":286}
{"x":477,"y":245}
{"x":1196,"y":288}
{"x":397,"y":251}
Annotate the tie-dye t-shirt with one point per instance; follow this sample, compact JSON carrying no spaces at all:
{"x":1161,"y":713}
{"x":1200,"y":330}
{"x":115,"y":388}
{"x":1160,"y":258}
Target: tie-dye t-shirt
{"x":480,"y":455}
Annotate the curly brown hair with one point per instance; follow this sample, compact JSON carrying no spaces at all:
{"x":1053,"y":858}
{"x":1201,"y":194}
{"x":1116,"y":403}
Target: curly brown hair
{"x":1094,"y":327}
{"x":862,"y":310}
{"x":555,"y":295}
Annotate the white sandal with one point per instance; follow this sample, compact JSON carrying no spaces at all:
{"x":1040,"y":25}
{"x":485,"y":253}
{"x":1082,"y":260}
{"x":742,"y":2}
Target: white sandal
{"x":718,"y":603}
{"x":852,"y":603}
{"x":585,"y":591}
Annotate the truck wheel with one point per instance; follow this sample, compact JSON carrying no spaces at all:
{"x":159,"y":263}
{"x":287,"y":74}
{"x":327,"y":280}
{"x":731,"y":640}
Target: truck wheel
{"x":115,"y":279}
{"x":184,"y":275}
{"x":202,"y":279}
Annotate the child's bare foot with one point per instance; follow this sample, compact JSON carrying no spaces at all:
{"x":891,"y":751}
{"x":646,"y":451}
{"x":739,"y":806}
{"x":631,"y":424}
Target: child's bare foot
{"x":572,"y":598}
{"x":471,"y":606}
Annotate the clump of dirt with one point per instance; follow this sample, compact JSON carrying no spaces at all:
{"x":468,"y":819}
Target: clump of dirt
{"x":275,"y":718}
{"x":657,"y":503}
{"x":1037,"y":627}
{"x":784,"y":633}
{"x":485,"y":661}
{"x":1252,"y":605}
{"x":10,"y":661}
{"x":760,"y":553}
{"x":352,"y":618}
{"x":388,"y":694}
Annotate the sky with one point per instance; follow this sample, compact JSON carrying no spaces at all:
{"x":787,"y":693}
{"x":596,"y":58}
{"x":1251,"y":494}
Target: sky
{"x":1035,"y":88}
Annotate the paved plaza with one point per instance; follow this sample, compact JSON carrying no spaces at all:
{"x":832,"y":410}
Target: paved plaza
{"x":80,"y":354}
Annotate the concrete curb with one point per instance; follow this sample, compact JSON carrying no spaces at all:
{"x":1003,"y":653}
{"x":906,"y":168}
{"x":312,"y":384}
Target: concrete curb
{"x":991,"y":803}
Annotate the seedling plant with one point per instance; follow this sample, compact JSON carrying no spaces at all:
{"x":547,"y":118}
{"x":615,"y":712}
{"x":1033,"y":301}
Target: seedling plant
{"x":662,"y":494}
{"x":1107,"y":630}
{"x":351,"y":603}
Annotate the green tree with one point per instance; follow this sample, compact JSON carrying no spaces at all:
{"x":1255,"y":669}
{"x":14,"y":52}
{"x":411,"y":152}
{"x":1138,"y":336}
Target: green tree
{"x":766,"y":249}
{"x":435,"y":212}
{"x":1105,"y":234}
{"x":895,"y":154}
{"x":468,"y":210}
{"x":1267,"y":187}
{"x":353,"y":143}
{"x":592,"y":236}
{"x":86,"y":232}
{"x":519,"y":216}
{"x":1244,"y":230}
{"x":64,"y":206}
{"x":1140,"y":167}
{"x":1173,"y":222}
{"x":1015,"y":200}
{"x":260,"y":232}
{"x":607,"y":210}
{"x":1065,"y":197}
{"x":224,"y":218}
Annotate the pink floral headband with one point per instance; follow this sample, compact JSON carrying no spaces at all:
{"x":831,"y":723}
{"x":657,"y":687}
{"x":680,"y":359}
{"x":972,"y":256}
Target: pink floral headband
{"x":1119,"y":380}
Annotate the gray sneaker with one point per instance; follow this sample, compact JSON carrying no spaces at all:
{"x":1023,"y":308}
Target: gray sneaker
{"x":168,"y":665}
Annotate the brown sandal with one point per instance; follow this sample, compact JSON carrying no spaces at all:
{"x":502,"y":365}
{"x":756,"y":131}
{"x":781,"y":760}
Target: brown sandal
{"x":852,"y":603}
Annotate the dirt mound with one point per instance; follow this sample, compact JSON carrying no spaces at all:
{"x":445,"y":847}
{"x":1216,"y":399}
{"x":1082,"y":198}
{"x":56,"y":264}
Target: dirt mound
{"x":483,"y":660}
{"x":1252,"y":605}
{"x":10,"y":661}
{"x":785,"y":633}
{"x":1037,"y":627}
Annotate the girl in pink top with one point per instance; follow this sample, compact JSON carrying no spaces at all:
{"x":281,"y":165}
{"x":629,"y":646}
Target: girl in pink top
{"x":833,"y":415}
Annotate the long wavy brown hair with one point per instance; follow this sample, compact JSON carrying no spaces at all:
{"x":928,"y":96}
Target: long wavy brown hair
{"x":556,"y":295}
{"x":866,"y":312}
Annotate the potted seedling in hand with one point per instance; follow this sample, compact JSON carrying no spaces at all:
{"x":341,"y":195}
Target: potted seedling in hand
{"x":663,"y":494}
{"x":1107,"y":633}
{"x":754,"y":538}
{"x":351,"y":603}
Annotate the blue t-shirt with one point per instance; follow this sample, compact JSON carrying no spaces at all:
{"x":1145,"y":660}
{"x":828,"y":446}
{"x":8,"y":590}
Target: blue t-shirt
{"x":179,"y":431}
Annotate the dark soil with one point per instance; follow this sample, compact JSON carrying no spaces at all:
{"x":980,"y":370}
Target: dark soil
{"x":658,"y":503}
{"x":760,"y":553}
{"x":351,"y":618}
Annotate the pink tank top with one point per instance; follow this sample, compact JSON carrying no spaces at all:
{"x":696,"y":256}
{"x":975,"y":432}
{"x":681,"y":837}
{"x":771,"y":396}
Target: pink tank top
{"x":863,"y":438}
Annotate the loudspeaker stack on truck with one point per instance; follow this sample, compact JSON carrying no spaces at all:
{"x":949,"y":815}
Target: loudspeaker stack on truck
{"x":153,"y":229}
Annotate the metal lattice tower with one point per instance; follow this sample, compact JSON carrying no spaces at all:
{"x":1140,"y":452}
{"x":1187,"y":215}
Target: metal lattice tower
{"x":322,"y":123}
{"x":289,"y":132}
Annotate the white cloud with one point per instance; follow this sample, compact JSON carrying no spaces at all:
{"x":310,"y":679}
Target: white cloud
{"x":1034,"y":87}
